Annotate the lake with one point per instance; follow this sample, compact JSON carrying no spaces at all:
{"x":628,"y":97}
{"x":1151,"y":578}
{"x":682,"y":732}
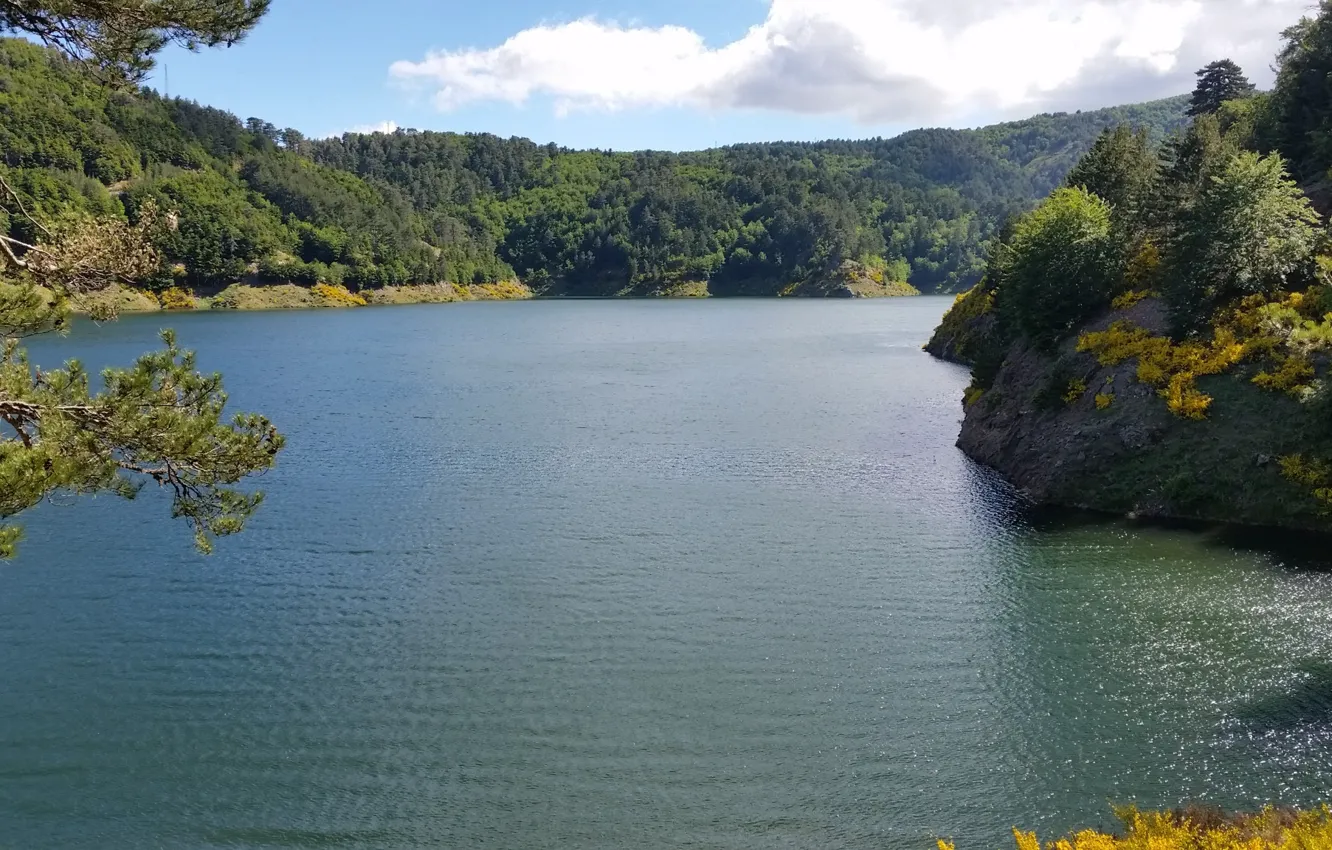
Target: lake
{"x":631,"y":574}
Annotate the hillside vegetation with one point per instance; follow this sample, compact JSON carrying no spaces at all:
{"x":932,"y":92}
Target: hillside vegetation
{"x":1155,"y":337}
{"x":255,"y":203}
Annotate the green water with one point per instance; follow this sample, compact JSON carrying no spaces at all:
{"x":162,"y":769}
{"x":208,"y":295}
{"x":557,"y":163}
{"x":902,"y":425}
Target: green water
{"x":639,"y":575}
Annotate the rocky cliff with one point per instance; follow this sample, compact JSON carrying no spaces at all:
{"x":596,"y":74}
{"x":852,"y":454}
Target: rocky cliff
{"x":1071,"y":429}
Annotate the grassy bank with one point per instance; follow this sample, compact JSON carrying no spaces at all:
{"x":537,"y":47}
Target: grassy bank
{"x":290,"y":296}
{"x":242,"y":296}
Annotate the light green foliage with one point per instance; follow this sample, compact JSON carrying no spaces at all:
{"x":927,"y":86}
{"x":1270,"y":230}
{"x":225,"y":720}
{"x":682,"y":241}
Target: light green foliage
{"x":1250,"y":231}
{"x":159,"y":421}
{"x":1236,"y":253}
{"x":1062,"y":266}
{"x":423,"y":207}
{"x":1247,"y":123}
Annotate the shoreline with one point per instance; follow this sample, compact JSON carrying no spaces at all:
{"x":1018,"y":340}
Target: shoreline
{"x":250,"y":297}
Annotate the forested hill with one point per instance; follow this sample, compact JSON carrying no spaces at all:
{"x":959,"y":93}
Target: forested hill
{"x":253,"y":201}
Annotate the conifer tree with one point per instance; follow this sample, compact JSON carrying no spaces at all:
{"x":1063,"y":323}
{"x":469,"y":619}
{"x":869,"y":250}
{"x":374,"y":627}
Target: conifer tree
{"x":1219,"y":82}
{"x":1120,"y":169}
{"x":1300,"y":108}
{"x":121,"y":36}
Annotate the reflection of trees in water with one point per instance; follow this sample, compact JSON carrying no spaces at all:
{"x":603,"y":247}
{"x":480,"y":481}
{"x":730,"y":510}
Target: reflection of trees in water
{"x":996,"y":505}
{"x":1305,"y":702}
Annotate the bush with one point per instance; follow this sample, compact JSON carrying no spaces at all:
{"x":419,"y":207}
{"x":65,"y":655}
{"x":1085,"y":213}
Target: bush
{"x":1173,"y":369}
{"x":338,"y":295}
{"x":175,"y":298}
{"x":1199,"y":829}
{"x":1062,"y":267}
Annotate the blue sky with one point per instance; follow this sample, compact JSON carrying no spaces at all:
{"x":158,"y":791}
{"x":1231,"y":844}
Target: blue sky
{"x":684,"y":74}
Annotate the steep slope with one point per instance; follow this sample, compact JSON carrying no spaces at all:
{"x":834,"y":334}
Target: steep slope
{"x":1071,"y":430}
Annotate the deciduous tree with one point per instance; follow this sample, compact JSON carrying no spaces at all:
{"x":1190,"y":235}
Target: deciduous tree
{"x":1061,"y":266}
{"x":1251,"y":230}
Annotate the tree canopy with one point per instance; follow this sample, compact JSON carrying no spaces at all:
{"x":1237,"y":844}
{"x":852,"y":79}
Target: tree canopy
{"x":1218,"y":83}
{"x":1206,"y":219}
{"x":1061,"y":266}
{"x":1301,"y":104}
{"x":1250,"y":231}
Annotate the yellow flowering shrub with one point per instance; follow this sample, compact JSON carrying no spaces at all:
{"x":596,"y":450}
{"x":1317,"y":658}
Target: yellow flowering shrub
{"x":1268,"y":830}
{"x":1104,"y":400}
{"x":1128,"y":299}
{"x":1312,"y":473}
{"x":338,"y":295}
{"x":1170,"y":367}
{"x":1283,"y":330}
{"x":176,"y":298}
{"x":1077,"y":388}
{"x":504,"y":290}
{"x":1293,"y":375}
{"x":973,"y":395}
{"x":1143,"y":268}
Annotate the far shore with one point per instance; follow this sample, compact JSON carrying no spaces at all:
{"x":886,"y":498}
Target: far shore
{"x":290,"y":296}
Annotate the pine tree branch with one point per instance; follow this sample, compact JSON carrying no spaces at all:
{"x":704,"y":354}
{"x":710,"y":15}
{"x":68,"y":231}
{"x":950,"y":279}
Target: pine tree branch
{"x":18,"y":201}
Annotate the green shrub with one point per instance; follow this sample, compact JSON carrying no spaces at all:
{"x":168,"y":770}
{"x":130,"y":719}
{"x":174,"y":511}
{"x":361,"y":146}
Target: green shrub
{"x":1062,"y":267}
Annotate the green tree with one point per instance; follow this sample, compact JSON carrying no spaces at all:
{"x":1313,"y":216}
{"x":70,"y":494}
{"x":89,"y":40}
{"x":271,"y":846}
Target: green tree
{"x":1187,"y":163}
{"x":1219,"y":82}
{"x":292,"y":140}
{"x":121,"y":36}
{"x":1250,"y":230}
{"x":1060,"y":268}
{"x":1121,"y":169}
{"x":1301,"y":105}
{"x":160,"y":420}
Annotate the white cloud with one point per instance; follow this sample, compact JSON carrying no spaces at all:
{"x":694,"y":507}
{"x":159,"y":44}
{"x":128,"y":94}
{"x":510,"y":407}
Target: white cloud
{"x":875,"y":60}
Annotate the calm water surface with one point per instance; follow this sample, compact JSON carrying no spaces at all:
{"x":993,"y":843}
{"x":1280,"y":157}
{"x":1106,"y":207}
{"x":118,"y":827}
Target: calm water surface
{"x":630,"y":575}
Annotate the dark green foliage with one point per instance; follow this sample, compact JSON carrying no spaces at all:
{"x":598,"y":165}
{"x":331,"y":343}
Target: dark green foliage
{"x":119,"y":37}
{"x":750,"y":219}
{"x":1063,"y":266}
{"x":159,"y":421}
{"x":1301,"y":102}
{"x":1219,"y":82}
{"x":222,"y":227}
{"x":62,"y":236}
{"x":1120,"y":169}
